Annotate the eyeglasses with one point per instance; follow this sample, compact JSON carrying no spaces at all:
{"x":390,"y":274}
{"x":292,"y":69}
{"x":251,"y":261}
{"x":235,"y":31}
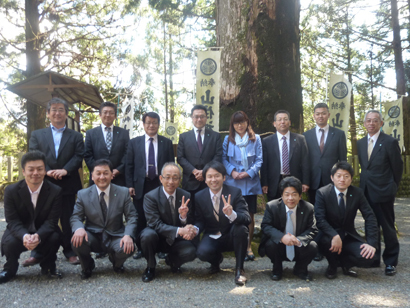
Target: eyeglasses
{"x":108,"y":113}
{"x":60,"y":110}
{"x":170,"y":178}
{"x":151,"y":123}
{"x":199,"y":117}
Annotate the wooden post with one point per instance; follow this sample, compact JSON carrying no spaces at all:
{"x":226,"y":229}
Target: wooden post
{"x":356,"y":165}
{"x":407,"y":164}
{"x":20,"y":155}
{"x":9,"y":169}
{"x":1,"y":166}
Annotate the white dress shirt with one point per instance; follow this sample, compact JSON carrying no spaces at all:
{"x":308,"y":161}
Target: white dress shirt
{"x":34,"y":194}
{"x":106,"y":194}
{"x":202,"y":134}
{"x":155,"y":143}
{"x":319,"y":134}
{"x":57,"y":135}
{"x":374,"y":137}
{"x":280,"y":142}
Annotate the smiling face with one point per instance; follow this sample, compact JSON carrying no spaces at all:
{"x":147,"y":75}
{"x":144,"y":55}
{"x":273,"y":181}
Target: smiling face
{"x":373,"y":123}
{"x":214,"y":180}
{"x":241,"y":128}
{"x":170,"y":179}
{"x":102,"y":176}
{"x":282,"y":123}
{"x":199,"y":118}
{"x":321,"y":116}
{"x":34,"y":173}
{"x":342,"y":179}
{"x":107,"y":116}
{"x":57,"y":115}
{"x":291,"y":197}
{"x":151,"y":126}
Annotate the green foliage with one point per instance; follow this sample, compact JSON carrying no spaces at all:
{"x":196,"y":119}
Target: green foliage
{"x":12,"y":138}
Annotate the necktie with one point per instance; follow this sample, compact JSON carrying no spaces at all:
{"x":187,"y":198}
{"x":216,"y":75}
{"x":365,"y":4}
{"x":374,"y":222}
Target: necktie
{"x":103,"y":205}
{"x":342,"y":205}
{"x":108,"y":139}
{"x":216,"y":207}
{"x":285,"y":157}
{"x":151,"y":160}
{"x":322,"y":140}
{"x":171,"y":205}
{"x":290,"y":250}
{"x":199,"y":140}
{"x":369,"y":149}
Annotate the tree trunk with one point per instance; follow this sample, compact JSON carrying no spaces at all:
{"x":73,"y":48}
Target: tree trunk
{"x":400,"y":79}
{"x":260,"y":63}
{"x":35,"y":113}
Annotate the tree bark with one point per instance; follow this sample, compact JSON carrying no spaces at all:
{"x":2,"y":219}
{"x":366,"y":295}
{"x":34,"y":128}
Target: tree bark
{"x":35,"y":114}
{"x":260,"y":63}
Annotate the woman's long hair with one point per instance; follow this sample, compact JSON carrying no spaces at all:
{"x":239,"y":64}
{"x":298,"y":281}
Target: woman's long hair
{"x":238,"y":117}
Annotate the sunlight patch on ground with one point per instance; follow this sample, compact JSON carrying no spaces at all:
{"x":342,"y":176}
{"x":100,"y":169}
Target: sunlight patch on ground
{"x":241,"y":291}
{"x":377,"y":300}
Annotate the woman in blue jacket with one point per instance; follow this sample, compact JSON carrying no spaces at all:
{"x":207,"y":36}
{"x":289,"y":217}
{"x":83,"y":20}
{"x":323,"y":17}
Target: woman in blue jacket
{"x":242,"y":157}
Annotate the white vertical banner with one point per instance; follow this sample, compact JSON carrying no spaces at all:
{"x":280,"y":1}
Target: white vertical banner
{"x":339,"y":102}
{"x":207,"y":85}
{"x":393,"y":120}
{"x":171,"y":131}
{"x":127,"y":115}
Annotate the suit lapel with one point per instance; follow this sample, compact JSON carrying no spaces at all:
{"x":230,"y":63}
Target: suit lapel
{"x":26,"y":198}
{"x":163,"y":200}
{"x":225,"y":193}
{"x":115,"y":136}
{"x":100,"y":136}
{"x":48,"y":135}
{"x":276,"y":146}
{"x":95,"y":202}
{"x":192,"y":137}
{"x":160,"y":152}
{"x":299,"y":219}
{"x":292,"y":145}
{"x":64,"y":138}
{"x":377,"y":146}
{"x":329,"y":138}
{"x":313,"y":140}
{"x":42,"y":198}
{"x":113,"y":201}
{"x":207,"y":136}
{"x":282,"y":215}
{"x":141,"y":145}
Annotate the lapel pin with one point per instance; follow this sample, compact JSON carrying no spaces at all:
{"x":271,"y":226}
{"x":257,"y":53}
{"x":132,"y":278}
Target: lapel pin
{"x":380,"y":144}
{"x":115,"y":195}
{"x":294,"y":139}
{"x":350,"y":195}
{"x":301,"y":212}
{"x":208,"y":135}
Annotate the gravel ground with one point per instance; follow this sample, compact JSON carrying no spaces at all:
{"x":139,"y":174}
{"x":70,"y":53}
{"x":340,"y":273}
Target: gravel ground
{"x":195,"y":288}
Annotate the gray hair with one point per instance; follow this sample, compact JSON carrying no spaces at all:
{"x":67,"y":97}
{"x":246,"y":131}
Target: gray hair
{"x":172,"y":164}
{"x":373,"y":111}
{"x":57,"y":100}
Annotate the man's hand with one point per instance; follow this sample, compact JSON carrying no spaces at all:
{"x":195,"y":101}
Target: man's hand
{"x":57,"y":174}
{"x":132,"y":191}
{"x":265,"y":189}
{"x":336,"y":244}
{"x":243,"y":175}
{"x":188,"y":232}
{"x":198,"y":174}
{"x":227,"y":209}
{"x":305,"y":188}
{"x":183,"y":209}
{"x":290,"y":240}
{"x":78,"y":237}
{"x":367,"y":251}
{"x":235,"y":174}
{"x":127,"y":243}
{"x":31,"y":241}
{"x":115,"y":172}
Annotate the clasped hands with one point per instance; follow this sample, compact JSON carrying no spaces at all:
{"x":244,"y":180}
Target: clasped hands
{"x":290,"y":240}
{"x":239,"y":175}
{"x":31,"y":241}
{"x":198,"y":175}
{"x":57,"y":174}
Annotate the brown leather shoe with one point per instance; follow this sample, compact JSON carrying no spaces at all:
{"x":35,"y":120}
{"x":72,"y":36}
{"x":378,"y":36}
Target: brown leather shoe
{"x":240,"y":278}
{"x":30,"y":261}
{"x":74,"y":260}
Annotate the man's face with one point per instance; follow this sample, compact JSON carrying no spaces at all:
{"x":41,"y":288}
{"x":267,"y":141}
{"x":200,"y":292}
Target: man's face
{"x":57,"y":115}
{"x":34,"y":172}
{"x":342,"y":179}
{"x":102,"y":176}
{"x":199,"y":118}
{"x":170,"y":179}
{"x":291,"y":197}
{"x":321,"y":116}
{"x":372,"y":123}
{"x":107,"y":116}
{"x":282,"y":123}
{"x":151,"y":126}
{"x":214,"y":180}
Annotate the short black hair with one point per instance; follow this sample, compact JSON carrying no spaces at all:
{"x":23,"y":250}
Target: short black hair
{"x":199,"y":107}
{"x":281,"y":111}
{"x":57,"y":100}
{"x":290,"y":181}
{"x":342,"y":165}
{"x":102,"y":162}
{"x":150,"y":114}
{"x":108,"y":104}
{"x":32,"y":156}
{"x":214,"y":164}
{"x":321,"y":105}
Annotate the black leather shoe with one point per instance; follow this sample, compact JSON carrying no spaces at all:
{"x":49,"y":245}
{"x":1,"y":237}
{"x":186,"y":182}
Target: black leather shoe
{"x":349,"y":272}
{"x":119,"y":269}
{"x":276,"y":276}
{"x":30,"y":261}
{"x":51,"y":273}
{"x":215,"y":268}
{"x":240,"y":278}
{"x":331,"y":272}
{"x":303,"y":275}
{"x":318,"y":257}
{"x":161,"y":255}
{"x":100,"y":255}
{"x":85,"y":274}
{"x":137,"y":255}
{"x":174,"y":268}
{"x":149,"y":274}
{"x":5,"y":276}
{"x":390,"y":270}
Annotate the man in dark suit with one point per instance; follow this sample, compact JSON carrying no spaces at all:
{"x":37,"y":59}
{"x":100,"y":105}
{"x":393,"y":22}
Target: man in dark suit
{"x":327,"y":146}
{"x":284,"y":154}
{"x":146,"y":155}
{"x":64,"y":150}
{"x":169,"y":220}
{"x":109,"y":142}
{"x":335,"y":210}
{"x":381,"y":172}
{"x":32,"y":208}
{"x":196,"y":148}
{"x":222,"y":214}
{"x":288,"y":228}
{"x":102,"y":206}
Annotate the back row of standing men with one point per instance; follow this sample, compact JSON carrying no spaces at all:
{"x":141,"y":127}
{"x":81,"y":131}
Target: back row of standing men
{"x":137,"y":165}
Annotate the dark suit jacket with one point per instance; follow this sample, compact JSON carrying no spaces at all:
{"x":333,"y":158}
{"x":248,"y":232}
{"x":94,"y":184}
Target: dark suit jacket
{"x":320,"y":164}
{"x":20,"y":215}
{"x":88,"y":209}
{"x":381,"y":175}
{"x":135,"y":171}
{"x":189,"y":158}
{"x":329,"y":218}
{"x":159,"y":216}
{"x":96,"y":148}
{"x":70,"y":156}
{"x":204,"y":211}
{"x":298,"y":162}
{"x":274,"y":223}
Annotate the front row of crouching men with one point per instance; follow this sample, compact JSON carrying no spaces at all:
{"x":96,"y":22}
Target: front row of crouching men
{"x":33,"y":207}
